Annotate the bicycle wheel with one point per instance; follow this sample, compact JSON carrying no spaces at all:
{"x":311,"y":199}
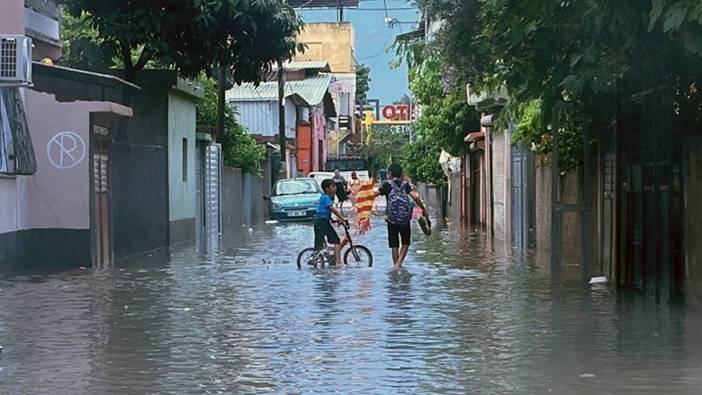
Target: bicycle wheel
{"x":308,"y":256}
{"x":358,"y":255}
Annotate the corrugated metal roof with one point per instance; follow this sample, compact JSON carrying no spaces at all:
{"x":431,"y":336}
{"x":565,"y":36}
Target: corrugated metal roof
{"x":311,"y":90}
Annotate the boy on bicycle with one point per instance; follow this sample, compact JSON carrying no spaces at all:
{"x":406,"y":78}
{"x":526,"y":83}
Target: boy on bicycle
{"x":322,"y":222}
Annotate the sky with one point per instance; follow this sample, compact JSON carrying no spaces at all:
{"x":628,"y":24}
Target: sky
{"x":373,"y":36}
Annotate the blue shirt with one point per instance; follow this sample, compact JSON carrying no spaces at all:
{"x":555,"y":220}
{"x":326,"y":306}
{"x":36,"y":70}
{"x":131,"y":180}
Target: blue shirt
{"x":323,"y":207}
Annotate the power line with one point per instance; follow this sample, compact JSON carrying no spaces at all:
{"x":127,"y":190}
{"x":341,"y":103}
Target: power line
{"x":364,"y":9}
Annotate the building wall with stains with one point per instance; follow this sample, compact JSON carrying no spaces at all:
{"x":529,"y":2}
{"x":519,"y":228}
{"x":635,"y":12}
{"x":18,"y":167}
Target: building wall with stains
{"x":332,"y":42}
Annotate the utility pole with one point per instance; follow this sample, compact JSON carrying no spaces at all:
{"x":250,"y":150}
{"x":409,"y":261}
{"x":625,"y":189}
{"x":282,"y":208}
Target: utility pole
{"x":221,"y":89}
{"x":281,"y":116}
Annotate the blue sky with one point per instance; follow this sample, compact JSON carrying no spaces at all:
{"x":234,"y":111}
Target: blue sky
{"x":372,"y":38}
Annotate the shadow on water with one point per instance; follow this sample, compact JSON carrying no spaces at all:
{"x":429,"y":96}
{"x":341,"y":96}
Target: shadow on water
{"x":463,"y":316}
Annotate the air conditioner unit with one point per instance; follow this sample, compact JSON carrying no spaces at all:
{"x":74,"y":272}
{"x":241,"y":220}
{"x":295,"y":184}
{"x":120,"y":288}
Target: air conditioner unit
{"x":15,"y":60}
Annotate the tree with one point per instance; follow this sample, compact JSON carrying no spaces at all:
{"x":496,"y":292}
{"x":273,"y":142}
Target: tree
{"x":586,"y":53}
{"x":82,"y":46}
{"x":239,"y":149}
{"x":421,"y":161}
{"x":385,"y":146}
{"x":362,"y":83}
{"x":192,"y":36}
{"x":444,"y":116}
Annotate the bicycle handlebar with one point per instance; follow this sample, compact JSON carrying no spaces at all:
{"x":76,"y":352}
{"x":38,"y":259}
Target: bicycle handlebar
{"x":340,"y":222}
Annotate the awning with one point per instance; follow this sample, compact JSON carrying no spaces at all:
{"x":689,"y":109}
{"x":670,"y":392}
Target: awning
{"x":474,"y":136}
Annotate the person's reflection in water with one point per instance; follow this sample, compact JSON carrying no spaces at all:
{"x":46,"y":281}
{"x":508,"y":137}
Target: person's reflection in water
{"x":400,"y":300}
{"x":326,"y":300}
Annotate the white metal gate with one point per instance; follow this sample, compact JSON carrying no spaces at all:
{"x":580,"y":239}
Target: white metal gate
{"x":212,"y":189}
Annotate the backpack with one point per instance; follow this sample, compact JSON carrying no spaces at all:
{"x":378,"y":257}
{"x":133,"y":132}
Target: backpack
{"x":399,"y":208}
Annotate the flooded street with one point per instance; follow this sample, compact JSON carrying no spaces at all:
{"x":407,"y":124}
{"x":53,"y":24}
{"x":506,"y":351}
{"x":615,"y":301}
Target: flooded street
{"x":461,"y":317}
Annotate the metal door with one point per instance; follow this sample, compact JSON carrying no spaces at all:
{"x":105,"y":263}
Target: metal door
{"x":653,"y":191}
{"x":101,"y":198}
{"x":520,"y":215}
{"x":212,"y":185}
{"x":608,"y":210}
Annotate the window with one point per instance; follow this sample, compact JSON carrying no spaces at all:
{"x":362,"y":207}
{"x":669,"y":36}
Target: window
{"x":16,"y":150}
{"x":185,"y":160}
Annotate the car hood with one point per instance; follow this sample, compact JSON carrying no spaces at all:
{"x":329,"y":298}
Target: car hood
{"x":302,"y":200}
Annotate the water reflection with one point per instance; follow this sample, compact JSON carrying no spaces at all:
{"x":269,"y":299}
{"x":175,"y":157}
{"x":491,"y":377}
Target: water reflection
{"x":460,"y":317}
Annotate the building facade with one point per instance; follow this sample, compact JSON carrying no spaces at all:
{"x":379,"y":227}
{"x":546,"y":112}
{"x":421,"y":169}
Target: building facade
{"x":333,"y":42}
{"x":308,"y":108}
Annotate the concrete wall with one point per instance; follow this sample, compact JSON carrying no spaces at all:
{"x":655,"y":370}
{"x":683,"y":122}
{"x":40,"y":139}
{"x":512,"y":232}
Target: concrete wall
{"x":12,"y":17}
{"x":232,"y":193}
{"x":242,"y":199}
{"x":571,"y":250}
{"x":435,"y":198}
{"x":8,"y":204}
{"x":140,"y":213}
{"x":333,"y":42}
{"x":693,"y":213}
{"x":181,"y":125}
{"x":182,"y":191}
{"x":45,"y":218}
{"x":57,"y":197}
{"x":453,"y":204}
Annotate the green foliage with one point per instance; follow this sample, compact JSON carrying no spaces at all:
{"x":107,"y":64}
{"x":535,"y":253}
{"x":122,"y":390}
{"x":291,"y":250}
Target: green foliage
{"x":385,"y":146}
{"x":421,"y":161}
{"x":362,"y":83}
{"x":593,"y":55}
{"x":193,"y":35}
{"x":82,"y":47}
{"x":239,"y":148}
{"x":681,"y":19}
{"x":445,"y":119}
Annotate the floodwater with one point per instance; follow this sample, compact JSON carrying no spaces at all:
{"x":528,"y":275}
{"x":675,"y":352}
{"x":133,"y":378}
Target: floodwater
{"x":462,"y":317}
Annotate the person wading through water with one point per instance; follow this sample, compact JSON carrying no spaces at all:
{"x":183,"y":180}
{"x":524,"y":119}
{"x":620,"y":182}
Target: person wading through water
{"x":341,"y":193}
{"x":401,"y":196}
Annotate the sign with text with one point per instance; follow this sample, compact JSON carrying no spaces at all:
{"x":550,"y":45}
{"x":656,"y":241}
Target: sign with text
{"x":397,"y":112}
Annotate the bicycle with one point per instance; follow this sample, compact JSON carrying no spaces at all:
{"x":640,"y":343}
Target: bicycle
{"x":355,"y":254}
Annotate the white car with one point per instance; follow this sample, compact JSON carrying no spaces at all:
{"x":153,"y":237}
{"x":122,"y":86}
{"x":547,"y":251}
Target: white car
{"x":320,"y":176}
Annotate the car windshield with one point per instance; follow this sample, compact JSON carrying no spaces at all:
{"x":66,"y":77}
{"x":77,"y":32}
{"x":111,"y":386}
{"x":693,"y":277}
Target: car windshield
{"x":296,"y":187}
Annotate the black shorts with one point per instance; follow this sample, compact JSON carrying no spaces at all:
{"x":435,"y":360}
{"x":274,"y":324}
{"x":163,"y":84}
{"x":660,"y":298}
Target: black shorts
{"x":395,"y":232}
{"x":341,"y":193}
{"x":324,"y":229}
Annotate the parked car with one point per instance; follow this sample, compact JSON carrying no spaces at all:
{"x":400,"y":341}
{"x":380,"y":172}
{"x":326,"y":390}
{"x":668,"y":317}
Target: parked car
{"x":294,"y":199}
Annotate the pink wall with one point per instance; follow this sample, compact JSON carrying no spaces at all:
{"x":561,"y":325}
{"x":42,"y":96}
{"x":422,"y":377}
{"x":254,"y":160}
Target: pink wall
{"x":319,"y":136}
{"x":12,"y":17}
{"x":57,"y":195}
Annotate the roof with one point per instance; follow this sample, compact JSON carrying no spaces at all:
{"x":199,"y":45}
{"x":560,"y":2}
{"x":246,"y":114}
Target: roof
{"x":320,"y":65}
{"x":474,"y":136}
{"x":82,"y":75}
{"x":307,"y":92}
{"x":419,"y":33}
{"x":67,"y":84}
